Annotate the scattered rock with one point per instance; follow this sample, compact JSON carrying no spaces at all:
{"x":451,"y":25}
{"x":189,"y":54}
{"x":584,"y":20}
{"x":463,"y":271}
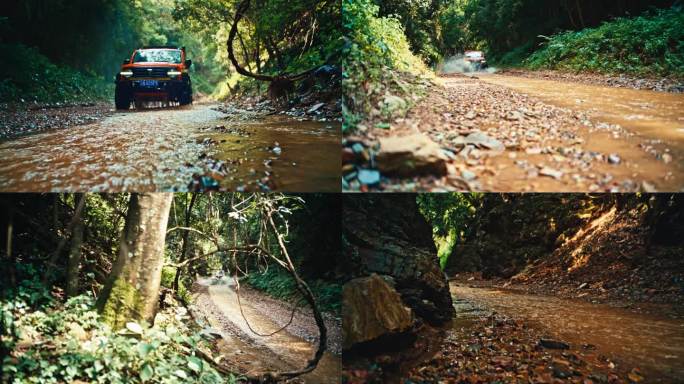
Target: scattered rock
{"x":369,"y":177}
{"x":550,"y":172}
{"x":392,"y":103}
{"x":553,"y":344}
{"x":614,"y":159}
{"x":481,"y":140}
{"x":411,"y":155}
{"x":315,"y":108}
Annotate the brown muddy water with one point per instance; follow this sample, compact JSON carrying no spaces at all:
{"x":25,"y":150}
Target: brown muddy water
{"x":654,"y":344}
{"x":160,"y":149}
{"x":657,"y":117}
{"x":308,"y":160}
{"x":283,"y":350}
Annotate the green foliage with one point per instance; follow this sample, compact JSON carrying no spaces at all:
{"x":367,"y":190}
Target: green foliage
{"x":63,"y":343}
{"x":168,"y":274}
{"x":375,"y":49}
{"x":278,"y":283}
{"x":32,"y":77}
{"x":450,"y":215}
{"x":647,"y":45}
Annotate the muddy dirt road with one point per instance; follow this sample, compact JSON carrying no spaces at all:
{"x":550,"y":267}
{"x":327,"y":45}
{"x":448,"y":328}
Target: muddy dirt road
{"x":653,"y":344}
{"x":169,"y":149}
{"x":250,"y":353}
{"x":546,"y":135}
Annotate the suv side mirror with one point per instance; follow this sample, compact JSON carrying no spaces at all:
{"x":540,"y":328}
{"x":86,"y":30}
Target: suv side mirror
{"x":127,"y":61}
{"x":188,"y":63}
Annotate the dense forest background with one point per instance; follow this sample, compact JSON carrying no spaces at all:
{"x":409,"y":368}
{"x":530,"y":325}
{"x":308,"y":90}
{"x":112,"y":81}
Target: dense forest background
{"x":71,"y":50}
{"x":64,"y":276}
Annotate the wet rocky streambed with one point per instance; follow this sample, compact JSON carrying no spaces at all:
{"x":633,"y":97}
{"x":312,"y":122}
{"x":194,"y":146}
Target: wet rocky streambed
{"x":197,"y":147}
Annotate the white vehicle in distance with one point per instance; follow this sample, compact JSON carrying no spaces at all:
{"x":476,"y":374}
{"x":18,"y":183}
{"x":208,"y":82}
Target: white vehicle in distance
{"x":476,"y":59}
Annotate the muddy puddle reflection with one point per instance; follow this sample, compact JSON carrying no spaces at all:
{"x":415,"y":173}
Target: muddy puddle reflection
{"x":653,"y":344}
{"x":281,"y":152}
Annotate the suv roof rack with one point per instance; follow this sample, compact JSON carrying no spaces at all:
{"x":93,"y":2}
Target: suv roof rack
{"x":160,"y":47}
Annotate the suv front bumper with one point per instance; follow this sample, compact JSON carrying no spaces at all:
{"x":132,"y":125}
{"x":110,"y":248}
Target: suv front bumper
{"x":153,"y":88}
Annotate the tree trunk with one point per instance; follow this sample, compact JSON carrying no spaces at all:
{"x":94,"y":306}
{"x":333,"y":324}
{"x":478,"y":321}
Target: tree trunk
{"x":8,"y":245}
{"x":133,"y":287}
{"x":74,"y":261}
{"x":184,"y":246}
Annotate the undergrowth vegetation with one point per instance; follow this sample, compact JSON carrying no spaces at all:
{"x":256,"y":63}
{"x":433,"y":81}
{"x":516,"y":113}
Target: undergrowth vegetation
{"x":652,"y":44}
{"x":55,"y":342}
{"x":279,"y":284}
{"x":380,"y":70}
{"x":30,"y":76}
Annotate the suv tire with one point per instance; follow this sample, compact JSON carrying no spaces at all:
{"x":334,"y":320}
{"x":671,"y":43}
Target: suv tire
{"x":186,"y":96}
{"x":121,"y":100}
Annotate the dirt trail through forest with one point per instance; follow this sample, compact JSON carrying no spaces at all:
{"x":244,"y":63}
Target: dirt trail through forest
{"x":170,"y":148}
{"x":251,"y":353}
{"x":653,"y":344}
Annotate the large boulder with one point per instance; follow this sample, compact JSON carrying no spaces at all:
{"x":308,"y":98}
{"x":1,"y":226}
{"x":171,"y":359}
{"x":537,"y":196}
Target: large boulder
{"x":387,"y":235}
{"x":372,"y":308}
{"x":411,"y":155}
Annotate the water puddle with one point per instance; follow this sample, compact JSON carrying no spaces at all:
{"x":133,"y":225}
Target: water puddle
{"x":652,"y":343}
{"x":656,"y":115}
{"x":307,"y":159}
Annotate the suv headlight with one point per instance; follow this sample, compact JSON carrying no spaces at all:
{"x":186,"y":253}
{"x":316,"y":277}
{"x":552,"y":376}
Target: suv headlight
{"x":126,"y":73}
{"x":174,"y":72}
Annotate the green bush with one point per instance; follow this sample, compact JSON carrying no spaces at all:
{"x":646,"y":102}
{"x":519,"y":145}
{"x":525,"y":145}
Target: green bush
{"x":376,"y":48}
{"x":279,"y":284}
{"x":30,"y":76}
{"x":57,"y":343}
{"x":652,"y":44}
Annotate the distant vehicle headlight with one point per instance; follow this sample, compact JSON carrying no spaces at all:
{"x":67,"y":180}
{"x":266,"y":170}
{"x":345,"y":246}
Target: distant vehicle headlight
{"x":173,"y":72}
{"x":126,"y":73}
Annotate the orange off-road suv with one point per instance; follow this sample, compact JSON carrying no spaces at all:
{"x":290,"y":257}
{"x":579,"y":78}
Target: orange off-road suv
{"x":154,"y":74}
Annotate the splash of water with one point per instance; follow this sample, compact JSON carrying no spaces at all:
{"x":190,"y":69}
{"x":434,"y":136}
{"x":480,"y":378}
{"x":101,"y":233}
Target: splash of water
{"x":458,"y":64}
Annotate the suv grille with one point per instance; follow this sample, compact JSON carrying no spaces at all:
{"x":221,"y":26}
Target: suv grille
{"x":150,"y":72}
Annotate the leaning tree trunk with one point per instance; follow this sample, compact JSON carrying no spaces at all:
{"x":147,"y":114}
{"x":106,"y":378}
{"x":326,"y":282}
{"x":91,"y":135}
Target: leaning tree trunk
{"x":133,"y":287}
{"x":280,"y":85}
{"x":74,"y":261}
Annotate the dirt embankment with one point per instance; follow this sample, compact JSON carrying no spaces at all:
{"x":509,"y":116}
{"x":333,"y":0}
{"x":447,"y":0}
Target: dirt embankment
{"x":624,"y":256}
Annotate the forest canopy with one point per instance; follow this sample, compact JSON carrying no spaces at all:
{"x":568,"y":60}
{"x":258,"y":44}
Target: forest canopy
{"x":87,"y":40}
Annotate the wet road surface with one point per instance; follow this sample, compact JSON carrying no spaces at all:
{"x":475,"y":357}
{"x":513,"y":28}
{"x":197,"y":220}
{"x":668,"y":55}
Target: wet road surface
{"x":654,"y":344}
{"x":643,"y":130}
{"x":282,"y":351}
{"x":160,"y":149}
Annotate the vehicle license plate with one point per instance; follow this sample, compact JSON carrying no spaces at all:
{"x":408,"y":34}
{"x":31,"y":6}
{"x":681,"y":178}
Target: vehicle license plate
{"x":149,"y":83}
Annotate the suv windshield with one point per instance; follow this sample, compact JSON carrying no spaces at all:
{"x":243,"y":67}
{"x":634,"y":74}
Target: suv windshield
{"x":157,"y":56}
